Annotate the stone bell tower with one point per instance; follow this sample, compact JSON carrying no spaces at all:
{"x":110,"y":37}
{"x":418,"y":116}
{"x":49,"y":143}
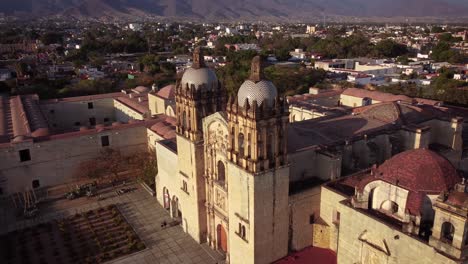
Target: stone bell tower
{"x":258,"y":182}
{"x":258,"y":121}
{"x":198,"y":95}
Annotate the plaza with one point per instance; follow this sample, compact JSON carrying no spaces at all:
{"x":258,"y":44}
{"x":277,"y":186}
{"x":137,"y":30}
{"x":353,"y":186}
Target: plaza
{"x":163,"y":244}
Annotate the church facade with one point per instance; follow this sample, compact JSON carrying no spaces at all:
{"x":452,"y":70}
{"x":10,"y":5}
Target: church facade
{"x":242,"y":178}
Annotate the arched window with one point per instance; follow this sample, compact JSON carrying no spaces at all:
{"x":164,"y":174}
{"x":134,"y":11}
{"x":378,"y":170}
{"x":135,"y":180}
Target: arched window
{"x":248,"y":145}
{"x":447,"y":232}
{"x":221,"y":172}
{"x":241,"y":231}
{"x":270,"y":148}
{"x":184,"y":121}
{"x":240,"y":143}
{"x":389,"y":206}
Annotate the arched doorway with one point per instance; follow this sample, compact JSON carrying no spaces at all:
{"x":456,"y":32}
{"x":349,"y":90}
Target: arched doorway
{"x":447,"y":232}
{"x":166,"y":199}
{"x":175,"y":211}
{"x":222,"y":239}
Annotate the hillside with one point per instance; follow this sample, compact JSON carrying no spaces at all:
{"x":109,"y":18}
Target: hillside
{"x":241,"y":9}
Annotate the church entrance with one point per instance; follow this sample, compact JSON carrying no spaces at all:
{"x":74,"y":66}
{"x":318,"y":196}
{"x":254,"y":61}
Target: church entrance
{"x":222,"y":239}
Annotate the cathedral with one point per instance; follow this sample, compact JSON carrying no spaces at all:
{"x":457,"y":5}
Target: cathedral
{"x":241,"y":177}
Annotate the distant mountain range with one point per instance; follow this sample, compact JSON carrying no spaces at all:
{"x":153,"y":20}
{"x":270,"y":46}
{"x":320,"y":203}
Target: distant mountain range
{"x":237,"y":9}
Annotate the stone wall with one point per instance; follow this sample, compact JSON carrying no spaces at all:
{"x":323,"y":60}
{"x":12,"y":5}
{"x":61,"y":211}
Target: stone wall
{"x":365,"y":239}
{"x":55,"y":161}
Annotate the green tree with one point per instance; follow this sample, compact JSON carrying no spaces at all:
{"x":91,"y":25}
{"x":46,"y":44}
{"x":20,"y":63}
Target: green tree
{"x":389,"y":49}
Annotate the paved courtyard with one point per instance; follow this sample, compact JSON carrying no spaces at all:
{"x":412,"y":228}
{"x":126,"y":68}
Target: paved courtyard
{"x":164,"y":245}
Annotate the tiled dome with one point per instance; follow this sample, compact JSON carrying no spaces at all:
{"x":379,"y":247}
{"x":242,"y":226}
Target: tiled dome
{"x":198,"y":77}
{"x":263,"y":92}
{"x":419,"y":170}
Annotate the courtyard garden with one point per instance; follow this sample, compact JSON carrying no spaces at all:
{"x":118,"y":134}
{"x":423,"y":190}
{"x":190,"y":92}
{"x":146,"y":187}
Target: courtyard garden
{"x":95,"y":236}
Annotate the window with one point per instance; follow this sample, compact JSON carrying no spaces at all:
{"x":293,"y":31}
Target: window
{"x":105,"y":141}
{"x":270,"y":149}
{"x":77,"y":124}
{"x":184,"y":186}
{"x":92,"y":121}
{"x":90,"y":105}
{"x":389,"y":206}
{"x":311,"y":218}
{"x":184,"y":121}
{"x":221,"y":172}
{"x":240,"y":143}
{"x":36,"y":184}
{"x":24,"y":155}
{"x":447,"y":231}
{"x":241,"y":231}
{"x":336,"y":217}
{"x":366,"y":101}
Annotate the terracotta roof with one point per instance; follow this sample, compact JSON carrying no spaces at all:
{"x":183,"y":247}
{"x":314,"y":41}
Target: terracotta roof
{"x":168,"y":92}
{"x":386,"y":97}
{"x":140,"y":107}
{"x":82,"y":98}
{"x":419,"y":170}
{"x":165,"y":126}
{"x":310,"y":255}
{"x":376,"y":95}
{"x":325,"y":131}
{"x":459,"y":199}
{"x":414,"y":202}
{"x":422,"y":172}
{"x":18,"y":118}
{"x":4,"y":116}
{"x":141,"y":89}
{"x":402,"y":113}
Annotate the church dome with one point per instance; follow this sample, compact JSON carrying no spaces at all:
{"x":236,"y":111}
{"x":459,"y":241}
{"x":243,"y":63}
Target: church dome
{"x":199,"y":77}
{"x":257,"y":88}
{"x":263,"y":92}
{"x":419,"y":170}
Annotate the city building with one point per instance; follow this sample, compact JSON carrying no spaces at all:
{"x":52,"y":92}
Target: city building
{"x":43,"y":142}
{"x":244,"y":179}
{"x":416,"y":213}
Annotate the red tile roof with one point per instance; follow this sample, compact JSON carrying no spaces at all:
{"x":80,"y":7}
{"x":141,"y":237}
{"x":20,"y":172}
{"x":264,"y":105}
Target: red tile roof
{"x":386,"y":97}
{"x":310,"y":255}
{"x":82,"y":98}
{"x":167,"y":92}
{"x":459,"y":199}
{"x":419,"y":170}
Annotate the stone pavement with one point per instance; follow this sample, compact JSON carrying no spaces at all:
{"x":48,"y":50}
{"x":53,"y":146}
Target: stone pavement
{"x":164,"y":245}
